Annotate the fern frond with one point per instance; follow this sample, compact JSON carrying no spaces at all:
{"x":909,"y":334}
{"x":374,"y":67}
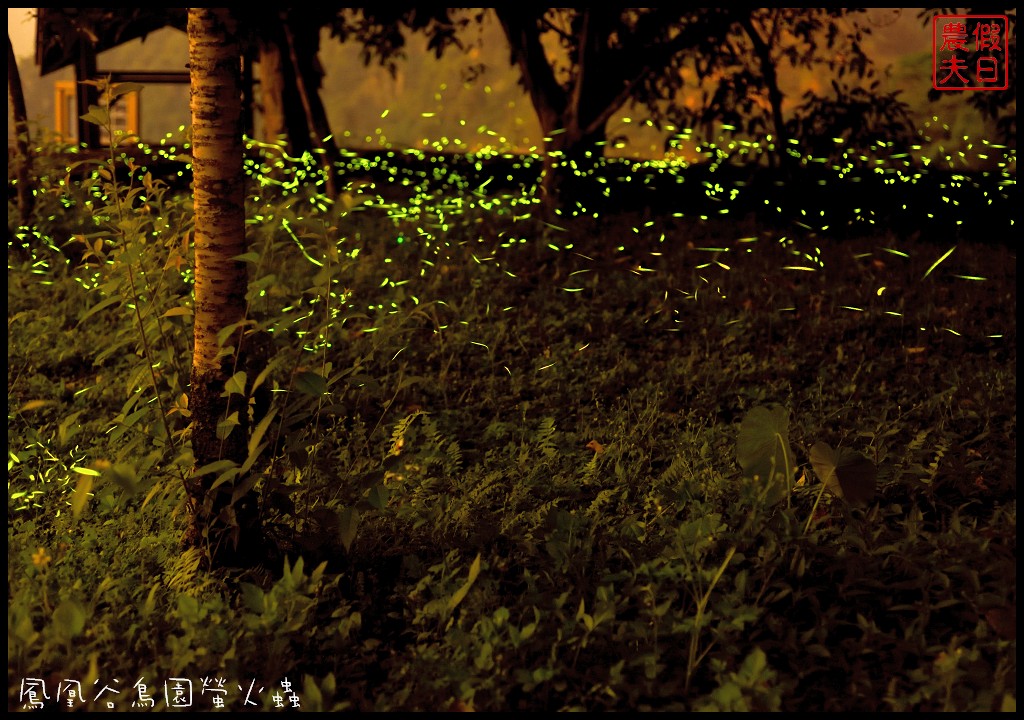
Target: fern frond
{"x":401,"y":428}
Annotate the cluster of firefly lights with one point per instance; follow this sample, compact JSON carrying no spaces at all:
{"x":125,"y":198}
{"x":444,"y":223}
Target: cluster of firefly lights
{"x":434,"y":196}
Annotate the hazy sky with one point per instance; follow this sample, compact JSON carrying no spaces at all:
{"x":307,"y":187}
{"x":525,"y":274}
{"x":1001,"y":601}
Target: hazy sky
{"x":21,"y":27}
{"x":891,"y":26}
{"x":898,"y":37}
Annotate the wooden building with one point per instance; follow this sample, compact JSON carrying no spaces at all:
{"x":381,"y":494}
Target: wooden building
{"x":75,"y":37}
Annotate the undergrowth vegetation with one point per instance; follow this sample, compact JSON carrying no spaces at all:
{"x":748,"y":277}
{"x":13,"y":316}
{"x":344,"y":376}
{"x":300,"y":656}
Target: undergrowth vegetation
{"x":609,"y":461}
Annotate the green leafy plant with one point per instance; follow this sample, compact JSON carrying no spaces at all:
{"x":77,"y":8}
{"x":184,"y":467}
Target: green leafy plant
{"x":498,"y":460}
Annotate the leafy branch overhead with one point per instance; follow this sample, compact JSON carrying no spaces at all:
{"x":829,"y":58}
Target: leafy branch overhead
{"x":678,"y":67}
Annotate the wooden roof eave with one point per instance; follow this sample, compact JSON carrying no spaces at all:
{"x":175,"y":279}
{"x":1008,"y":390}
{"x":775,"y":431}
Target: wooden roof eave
{"x":60,"y":32}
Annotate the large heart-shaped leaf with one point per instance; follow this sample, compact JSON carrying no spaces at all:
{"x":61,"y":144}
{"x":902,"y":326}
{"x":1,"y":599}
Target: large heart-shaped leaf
{"x":846,"y":473}
{"x":763,"y":450}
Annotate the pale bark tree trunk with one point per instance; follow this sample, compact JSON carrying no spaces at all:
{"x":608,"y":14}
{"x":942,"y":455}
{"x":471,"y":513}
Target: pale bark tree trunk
{"x":228,"y":526}
{"x":23,"y":160}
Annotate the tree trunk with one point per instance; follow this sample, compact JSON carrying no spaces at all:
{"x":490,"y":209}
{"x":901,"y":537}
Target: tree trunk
{"x":570,"y":160}
{"x":291,"y":77}
{"x":303,"y":44}
{"x":23,"y":161}
{"x":86,"y":94}
{"x":272,"y":92}
{"x":225,"y":524}
{"x":573,"y":119}
{"x":775,"y":98}
{"x":283,"y":113}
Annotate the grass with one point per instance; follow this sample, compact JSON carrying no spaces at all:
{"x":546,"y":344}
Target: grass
{"x":503,"y":467}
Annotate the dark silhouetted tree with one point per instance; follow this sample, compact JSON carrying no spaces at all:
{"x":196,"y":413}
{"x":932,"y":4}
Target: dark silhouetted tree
{"x":22,"y":159}
{"x":683,"y":65}
{"x":288,"y":43}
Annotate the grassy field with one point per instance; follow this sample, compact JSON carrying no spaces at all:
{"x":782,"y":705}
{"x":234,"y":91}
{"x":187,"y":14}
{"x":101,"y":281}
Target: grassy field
{"x":628,"y":460}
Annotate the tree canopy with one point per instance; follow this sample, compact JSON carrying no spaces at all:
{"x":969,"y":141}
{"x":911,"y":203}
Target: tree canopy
{"x":680,"y":66}
{"x":695,"y":71}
